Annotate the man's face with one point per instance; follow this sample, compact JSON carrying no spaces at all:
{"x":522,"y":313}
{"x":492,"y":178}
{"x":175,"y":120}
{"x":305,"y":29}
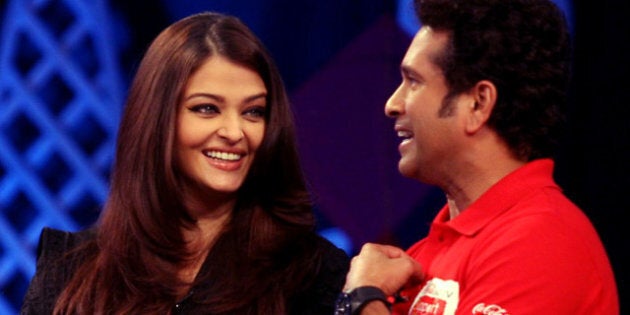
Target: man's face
{"x":428,"y":135}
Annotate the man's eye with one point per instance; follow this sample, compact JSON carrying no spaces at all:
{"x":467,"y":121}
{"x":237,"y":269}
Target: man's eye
{"x":204,"y":109}
{"x":412,"y":81}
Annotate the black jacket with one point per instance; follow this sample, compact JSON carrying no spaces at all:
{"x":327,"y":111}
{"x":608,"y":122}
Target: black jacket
{"x":55,"y":268}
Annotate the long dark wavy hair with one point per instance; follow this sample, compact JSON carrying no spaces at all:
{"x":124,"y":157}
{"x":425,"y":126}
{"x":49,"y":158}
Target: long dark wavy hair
{"x":523,"y":47}
{"x":133,"y":264}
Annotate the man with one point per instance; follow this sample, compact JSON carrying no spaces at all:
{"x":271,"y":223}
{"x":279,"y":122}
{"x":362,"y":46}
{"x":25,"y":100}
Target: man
{"x":478,"y":112}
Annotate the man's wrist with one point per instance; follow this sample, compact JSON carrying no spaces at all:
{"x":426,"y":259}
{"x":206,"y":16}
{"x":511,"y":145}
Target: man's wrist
{"x":351,"y":303}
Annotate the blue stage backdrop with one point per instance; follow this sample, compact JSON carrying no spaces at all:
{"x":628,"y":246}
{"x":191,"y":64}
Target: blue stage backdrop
{"x":60,"y":98}
{"x":65,"y":67}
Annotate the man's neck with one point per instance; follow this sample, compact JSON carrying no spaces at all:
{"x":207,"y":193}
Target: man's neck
{"x":461,"y":194}
{"x":453,"y":209}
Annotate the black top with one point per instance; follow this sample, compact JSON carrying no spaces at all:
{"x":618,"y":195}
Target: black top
{"x":56,"y":263}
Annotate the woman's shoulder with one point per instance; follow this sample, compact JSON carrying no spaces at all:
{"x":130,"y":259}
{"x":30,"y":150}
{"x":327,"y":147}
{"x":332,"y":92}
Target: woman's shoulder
{"x":58,"y":255}
{"x":54,"y":243}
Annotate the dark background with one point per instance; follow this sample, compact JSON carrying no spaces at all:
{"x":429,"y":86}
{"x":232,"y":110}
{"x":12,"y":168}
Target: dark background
{"x":593,"y":165}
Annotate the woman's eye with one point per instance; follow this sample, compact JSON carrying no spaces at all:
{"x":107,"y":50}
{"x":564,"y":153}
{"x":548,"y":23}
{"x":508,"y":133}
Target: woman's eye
{"x":256,"y":112}
{"x":204,"y":109}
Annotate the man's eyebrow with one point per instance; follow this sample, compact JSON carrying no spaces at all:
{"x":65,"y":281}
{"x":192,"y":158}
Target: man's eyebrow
{"x":407,"y":71}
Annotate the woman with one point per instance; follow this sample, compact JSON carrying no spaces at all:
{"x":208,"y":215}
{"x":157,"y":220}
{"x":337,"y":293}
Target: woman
{"x":208,"y":211}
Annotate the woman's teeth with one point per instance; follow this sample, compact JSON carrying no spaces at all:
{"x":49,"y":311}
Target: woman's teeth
{"x":224,"y":155}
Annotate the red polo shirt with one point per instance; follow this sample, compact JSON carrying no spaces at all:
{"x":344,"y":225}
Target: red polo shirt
{"x":521,"y":248}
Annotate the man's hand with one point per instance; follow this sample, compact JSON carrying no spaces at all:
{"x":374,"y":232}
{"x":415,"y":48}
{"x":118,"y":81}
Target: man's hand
{"x":386,"y":267}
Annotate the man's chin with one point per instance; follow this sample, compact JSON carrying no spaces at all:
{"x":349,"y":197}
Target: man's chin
{"x":407,"y":170}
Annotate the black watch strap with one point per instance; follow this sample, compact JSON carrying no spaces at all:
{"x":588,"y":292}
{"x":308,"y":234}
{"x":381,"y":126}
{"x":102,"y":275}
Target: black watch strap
{"x":353,"y":302}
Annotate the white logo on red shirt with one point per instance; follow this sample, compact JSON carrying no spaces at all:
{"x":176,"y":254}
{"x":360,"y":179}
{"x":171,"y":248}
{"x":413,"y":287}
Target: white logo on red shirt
{"x":492,"y":309}
{"x":437,"y":297}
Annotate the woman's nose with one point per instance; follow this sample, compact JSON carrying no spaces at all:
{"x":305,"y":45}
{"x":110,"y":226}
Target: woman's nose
{"x":231,"y":129}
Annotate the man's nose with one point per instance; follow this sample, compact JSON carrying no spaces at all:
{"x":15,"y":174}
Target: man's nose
{"x":395,"y":106}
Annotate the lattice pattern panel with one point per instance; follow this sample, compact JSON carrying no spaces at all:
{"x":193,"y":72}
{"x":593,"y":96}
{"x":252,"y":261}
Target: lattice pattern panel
{"x":60,"y":100}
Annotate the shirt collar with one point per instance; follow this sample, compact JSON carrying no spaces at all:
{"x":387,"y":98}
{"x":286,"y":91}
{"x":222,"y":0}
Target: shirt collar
{"x":500,"y":197}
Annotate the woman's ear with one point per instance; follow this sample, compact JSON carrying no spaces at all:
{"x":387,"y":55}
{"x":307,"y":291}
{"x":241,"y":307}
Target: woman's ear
{"x":484,"y":94}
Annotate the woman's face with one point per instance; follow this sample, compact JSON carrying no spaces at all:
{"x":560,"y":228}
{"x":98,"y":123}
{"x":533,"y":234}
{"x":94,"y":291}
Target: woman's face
{"x":220,"y":125}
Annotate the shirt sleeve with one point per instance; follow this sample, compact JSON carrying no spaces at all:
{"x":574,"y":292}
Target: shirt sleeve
{"x":320,"y":297}
{"x":53,"y":270}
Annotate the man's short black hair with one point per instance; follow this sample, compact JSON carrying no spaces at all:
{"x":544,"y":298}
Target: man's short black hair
{"x":522,"y":46}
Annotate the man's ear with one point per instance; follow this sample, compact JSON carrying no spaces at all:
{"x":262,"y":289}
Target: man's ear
{"x":484,"y":94}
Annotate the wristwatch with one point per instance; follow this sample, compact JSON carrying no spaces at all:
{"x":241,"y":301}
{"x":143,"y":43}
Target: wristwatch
{"x":351,"y":303}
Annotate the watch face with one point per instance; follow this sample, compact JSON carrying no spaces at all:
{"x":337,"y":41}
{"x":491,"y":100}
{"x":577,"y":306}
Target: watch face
{"x":342,"y":306}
